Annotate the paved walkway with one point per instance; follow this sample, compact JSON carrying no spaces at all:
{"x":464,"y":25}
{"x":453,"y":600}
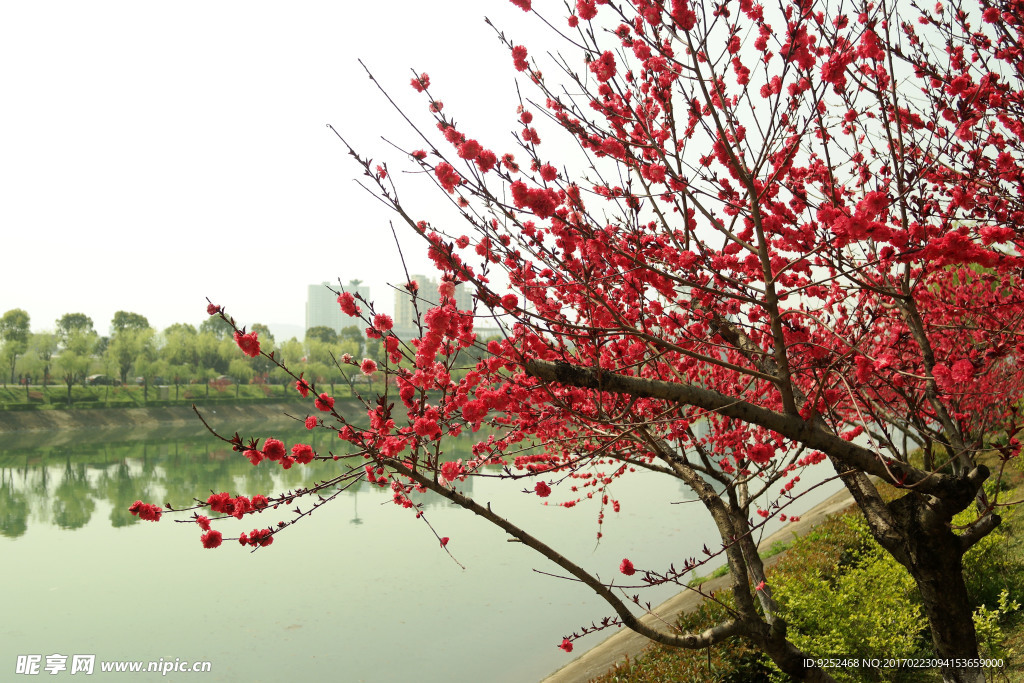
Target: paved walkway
{"x":614,"y":649}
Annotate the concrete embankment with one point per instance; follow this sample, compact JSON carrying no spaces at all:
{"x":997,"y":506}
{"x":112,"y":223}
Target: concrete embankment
{"x":20,"y":421}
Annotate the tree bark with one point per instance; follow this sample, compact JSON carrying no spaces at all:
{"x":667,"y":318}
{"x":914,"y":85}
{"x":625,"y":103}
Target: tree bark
{"x":933,"y":554}
{"x":790,"y":659}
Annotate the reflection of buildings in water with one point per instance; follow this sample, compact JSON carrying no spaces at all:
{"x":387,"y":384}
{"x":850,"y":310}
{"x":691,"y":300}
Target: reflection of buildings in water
{"x":356,"y":519}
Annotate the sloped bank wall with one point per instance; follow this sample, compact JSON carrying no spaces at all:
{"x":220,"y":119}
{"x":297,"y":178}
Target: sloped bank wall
{"x":112,"y":418}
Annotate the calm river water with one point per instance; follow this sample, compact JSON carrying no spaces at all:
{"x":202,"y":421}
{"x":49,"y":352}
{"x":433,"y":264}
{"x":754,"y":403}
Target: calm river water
{"x":359,"y":591}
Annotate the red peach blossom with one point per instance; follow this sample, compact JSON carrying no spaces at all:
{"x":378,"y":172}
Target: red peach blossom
{"x":422,"y":83}
{"x":273,"y":449}
{"x":348,"y":304}
{"x":249,"y":344}
{"x":303,"y":453}
{"x":212,"y":538}
{"x":324,"y":402}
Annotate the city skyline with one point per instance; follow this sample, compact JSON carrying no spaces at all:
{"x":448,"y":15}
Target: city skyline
{"x":320,"y":308}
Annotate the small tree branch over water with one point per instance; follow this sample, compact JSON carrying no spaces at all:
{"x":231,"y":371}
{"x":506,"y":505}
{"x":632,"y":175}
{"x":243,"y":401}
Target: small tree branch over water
{"x":781,"y":236}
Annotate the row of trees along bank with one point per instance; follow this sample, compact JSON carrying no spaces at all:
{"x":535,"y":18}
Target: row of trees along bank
{"x":75,"y":355}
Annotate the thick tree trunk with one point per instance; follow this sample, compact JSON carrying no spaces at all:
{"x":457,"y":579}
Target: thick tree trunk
{"x":933,"y":554}
{"x":915,"y":529}
{"x":951,"y":620}
{"x":791,"y":659}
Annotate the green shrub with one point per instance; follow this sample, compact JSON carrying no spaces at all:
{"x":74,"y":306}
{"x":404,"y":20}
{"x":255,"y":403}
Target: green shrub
{"x":988,"y":623}
{"x":991,"y":565}
{"x":868,"y":609}
{"x":25,"y":406}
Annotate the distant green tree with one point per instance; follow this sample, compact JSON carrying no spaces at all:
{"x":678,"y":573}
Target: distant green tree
{"x":321,"y":352}
{"x":69,"y":323}
{"x":262,"y":331}
{"x":184,"y":328}
{"x":292,"y":353}
{"x":181,"y":353}
{"x":75,"y":357}
{"x":261,"y":365}
{"x":102,"y":343}
{"x":14,"y":333}
{"x":180,"y":349}
{"x":44,"y":346}
{"x":352,"y":374}
{"x":324,"y":361}
{"x":227,"y":351}
{"x":123,"y":320}
{"x":241,"y":371}
{"x":209,"y":355}
{"x":353,"y":334}
{"x":77,"y":343}
{"x":149,"y":366}
{"x":126,"y":347}
{"x":323,"y":334}
{"x":321,"y":373}
{"x":216,"y":326}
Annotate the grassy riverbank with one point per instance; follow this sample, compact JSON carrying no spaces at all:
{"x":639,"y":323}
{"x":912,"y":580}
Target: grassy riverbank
{"x":844,"y":597}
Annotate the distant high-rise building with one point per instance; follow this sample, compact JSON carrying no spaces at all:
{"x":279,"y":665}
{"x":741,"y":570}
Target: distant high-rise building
{"x":427,"y":297}
{"x":405,"y":311}
{"x":464,"y":297}
{"x":322,"y":309}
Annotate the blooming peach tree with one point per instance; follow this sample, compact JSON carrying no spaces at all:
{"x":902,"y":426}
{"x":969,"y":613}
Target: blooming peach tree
{"x":779,"y":237}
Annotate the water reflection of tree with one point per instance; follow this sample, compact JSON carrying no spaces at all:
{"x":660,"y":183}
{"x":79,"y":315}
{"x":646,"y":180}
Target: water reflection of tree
{"x":163,"y":468}
{"x":13,"y":507}
{"x":73,"y":499}
{"x":37,"y":486}
{"x":193,"y":467}
{"x":121,"y":488}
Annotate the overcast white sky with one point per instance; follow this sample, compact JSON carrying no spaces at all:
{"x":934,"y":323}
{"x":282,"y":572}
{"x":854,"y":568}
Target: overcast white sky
{"x":153,"y":154}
